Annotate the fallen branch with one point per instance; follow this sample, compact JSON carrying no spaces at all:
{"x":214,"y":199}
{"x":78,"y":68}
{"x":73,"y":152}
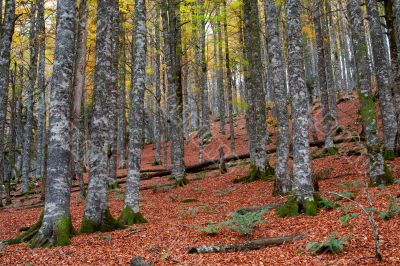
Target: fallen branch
{"x":259,"y":208}
{"x":251,"y":245}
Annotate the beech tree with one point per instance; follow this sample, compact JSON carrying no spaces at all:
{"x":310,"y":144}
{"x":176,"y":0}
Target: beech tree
{"x":300,"y":111}
{"x":131,"y":213}
{"x":97,"y":215}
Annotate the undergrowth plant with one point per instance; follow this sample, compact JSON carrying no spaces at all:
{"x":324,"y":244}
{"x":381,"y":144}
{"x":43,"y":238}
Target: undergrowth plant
{"x":244,"y":224}
{"x":392,"y":210}
{"x":332,"y":244}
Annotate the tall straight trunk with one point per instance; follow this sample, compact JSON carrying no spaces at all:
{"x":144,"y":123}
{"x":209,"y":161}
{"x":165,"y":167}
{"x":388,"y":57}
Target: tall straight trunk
{"x":11,"y":155}
{"x":122,"y":97}
{"x":220,"y":71}
{"x":113,"y":113}
{"x":254,"y":85}
{"x":396,"y":89}
{"x":326,"y":112}
{"x":96,"y":214}
{"x":136,"y":113}
{"x":229,"y":81}
{"x":384,"y":82}
{"x":41,"y":127}
{"x":19,"y":123}
{"x":7,"y":31}
{"x":157,"y":87}
{"x":328,"y":62}
{"x":300,"y":111}
{"x":79,"y":93}
{"x":278,"y":77}
{"x":367,"y":109}
{"x":56,"y":225}
{"x":170,"y":18}
{"x":204,"y":128}
{"x":32,"y":73}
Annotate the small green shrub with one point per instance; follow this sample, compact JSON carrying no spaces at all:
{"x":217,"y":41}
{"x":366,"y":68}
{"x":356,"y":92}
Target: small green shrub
{"x":345,"y":194}
{"x":327,"y":204}
{"x":345,"y":219}
{"x":212,"y":228}
{"x":245,"y":223}
{"x":392,"y":210}
{"x":332,"y":244}
{"x":351,"y":185}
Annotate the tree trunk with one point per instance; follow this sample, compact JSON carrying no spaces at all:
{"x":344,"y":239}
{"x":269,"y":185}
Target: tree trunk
{"x":96,"y":215}
{"x":384,"y":82}
{"x":257,"y":115}
{"x":278,"y":76}
{"x":229,"y":82}
{"x":326,"y":112}
{"x":220,"y":71}
{"x":56,"y":226}
{"x":173,"y":65}
{"x":367,"y":109}
{"x":7,"y":31}
{"x":300,"y":111}
{"x":131,"y":208}
{"x":32,"y":73}
{"x":41,"y":128}
{"x":157,"y":87}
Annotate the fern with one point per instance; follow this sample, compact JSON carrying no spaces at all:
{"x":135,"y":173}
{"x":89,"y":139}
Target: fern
{"x":332,"y":244}
{"x":245,"y":223}
{"x":392,"y":211}
{"x":345,"y":219}
{"x":212,"y":228}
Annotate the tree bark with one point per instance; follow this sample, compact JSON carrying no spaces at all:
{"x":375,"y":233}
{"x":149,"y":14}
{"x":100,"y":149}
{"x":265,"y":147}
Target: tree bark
{"x":278,"y":76}
{"x":137,"y":108}
{"x":220,"y":71}
{"x":367,"y":109}
{"x":41,"y":127}
{"x":383,"y":77}
{"x":257,"y":115}
{"x":96,"y":212}
{"x":326,"y":112}
{"x":32,"y":73}
{"x":7,"y":31}
{"x":300,"y":111}
{"x":56,"y":226}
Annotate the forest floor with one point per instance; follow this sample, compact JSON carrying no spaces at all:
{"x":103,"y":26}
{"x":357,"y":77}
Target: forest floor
{"x":165,"y":240}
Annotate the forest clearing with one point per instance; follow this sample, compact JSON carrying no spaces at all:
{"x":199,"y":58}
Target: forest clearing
{"x":199,"y":132}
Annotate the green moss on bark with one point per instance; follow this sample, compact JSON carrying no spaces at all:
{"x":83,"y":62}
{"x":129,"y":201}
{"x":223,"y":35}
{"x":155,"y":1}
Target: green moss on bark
{"x":108,"y":224}
{"x":388,"y":178}
{"x":183,"y":182}
{"x":310,"y":207}
{"x":389,"y":155}
{"x":290,"y":208}
{"x":256,"y":174}
{"x":63,"y":231}
{"x":128,"y":217}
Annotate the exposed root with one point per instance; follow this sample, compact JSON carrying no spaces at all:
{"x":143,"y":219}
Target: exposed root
{"x":128,"y":217}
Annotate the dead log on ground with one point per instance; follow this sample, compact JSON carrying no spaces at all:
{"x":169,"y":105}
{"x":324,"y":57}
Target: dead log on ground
{"x":251,"y":245}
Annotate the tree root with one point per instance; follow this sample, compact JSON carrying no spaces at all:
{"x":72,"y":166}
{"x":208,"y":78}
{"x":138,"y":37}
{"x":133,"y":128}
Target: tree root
{"x":108,"y":224}
{"x":128,"y":217}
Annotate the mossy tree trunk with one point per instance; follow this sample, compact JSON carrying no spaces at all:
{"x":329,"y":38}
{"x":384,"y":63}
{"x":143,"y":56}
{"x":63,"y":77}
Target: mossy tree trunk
{"x":55,"y":227}
{"x":384,"y":79}
{"x":170,"y":12}
{"x":257,"y":114}
{"x":301,"y":155}
{"x":368,"y":106}
{"x":96,"y":215}
{"x":136,"y":114}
